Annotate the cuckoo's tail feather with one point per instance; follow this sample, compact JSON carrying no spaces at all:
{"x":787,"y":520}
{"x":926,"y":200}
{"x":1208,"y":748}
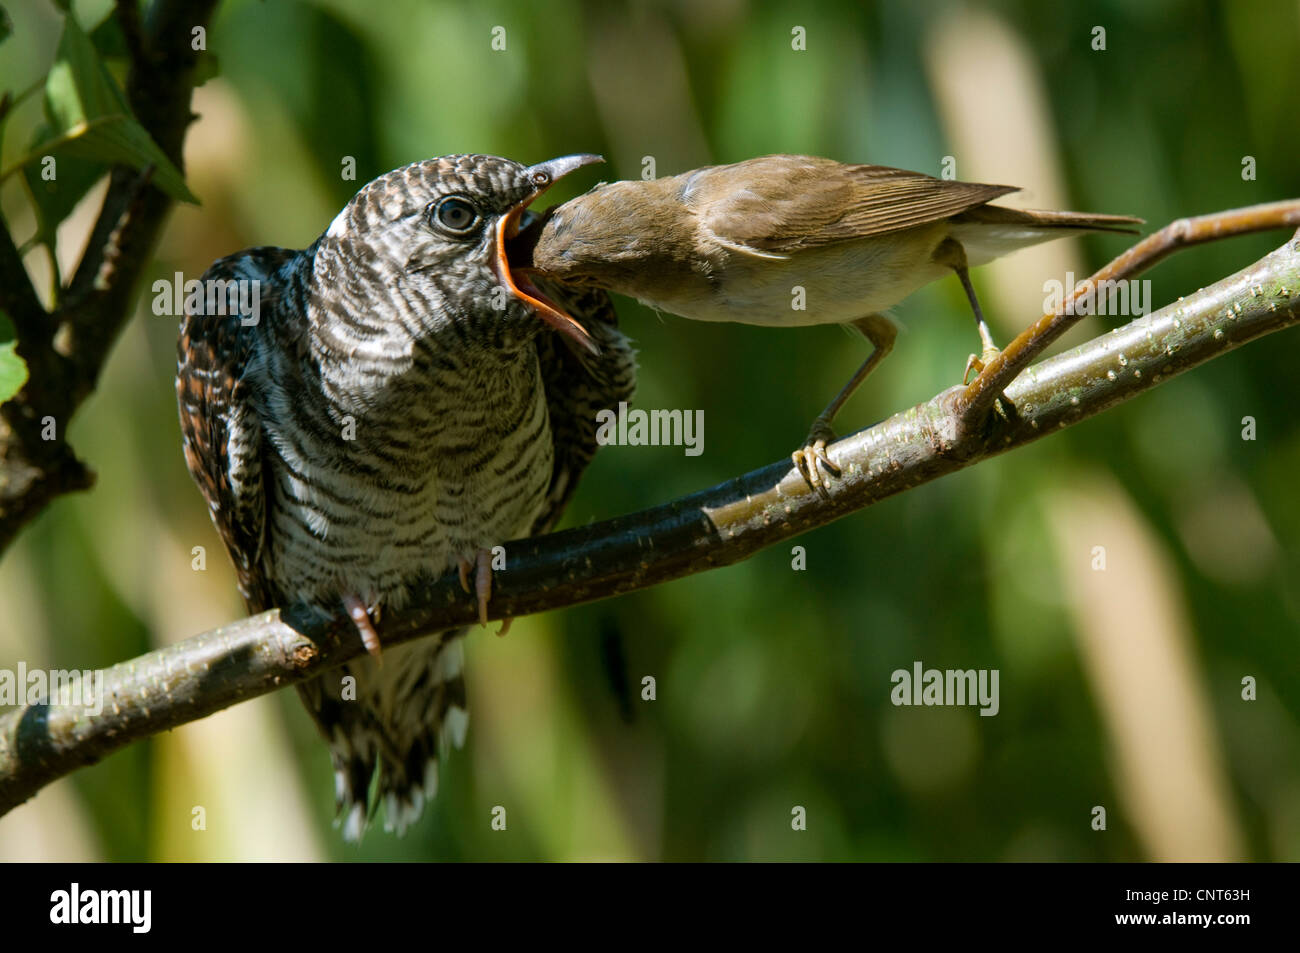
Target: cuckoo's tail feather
{"x":387,"y":726}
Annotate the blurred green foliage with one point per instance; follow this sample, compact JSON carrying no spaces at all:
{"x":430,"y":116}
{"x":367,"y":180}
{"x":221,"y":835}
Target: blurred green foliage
{"x":772,"y":685}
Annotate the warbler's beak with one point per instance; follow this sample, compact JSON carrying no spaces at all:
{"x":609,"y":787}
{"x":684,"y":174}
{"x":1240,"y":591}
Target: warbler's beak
{"x":516,"y":280}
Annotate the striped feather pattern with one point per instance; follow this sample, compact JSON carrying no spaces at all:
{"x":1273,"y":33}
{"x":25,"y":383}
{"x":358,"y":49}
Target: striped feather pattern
{"x":384,"y":420}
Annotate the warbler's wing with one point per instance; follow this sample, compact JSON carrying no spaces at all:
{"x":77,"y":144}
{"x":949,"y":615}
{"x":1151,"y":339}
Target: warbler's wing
{"x":781,"y":203}
{"x":578,"y":386}
{"x":221,"y":430}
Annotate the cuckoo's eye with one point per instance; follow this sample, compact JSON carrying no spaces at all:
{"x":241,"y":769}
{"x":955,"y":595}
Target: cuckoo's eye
{"x":454,"y":214}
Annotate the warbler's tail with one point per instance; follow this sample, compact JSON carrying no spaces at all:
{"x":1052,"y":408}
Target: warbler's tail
{"x":1041,"y":218}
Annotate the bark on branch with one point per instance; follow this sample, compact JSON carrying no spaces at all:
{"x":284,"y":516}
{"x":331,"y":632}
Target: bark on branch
{"x":709,"y":529}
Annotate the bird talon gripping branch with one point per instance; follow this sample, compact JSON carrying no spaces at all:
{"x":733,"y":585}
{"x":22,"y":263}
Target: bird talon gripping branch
{"x":360,"y":616}
{"x":482,"y":591}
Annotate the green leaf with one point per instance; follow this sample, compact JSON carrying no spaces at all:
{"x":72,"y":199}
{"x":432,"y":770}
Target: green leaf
{"x":107,"y":38}
{"x":13,"y":369}
{"x":6,"y":25}
{"x":91,"y":120}
{"x":56,"y":197}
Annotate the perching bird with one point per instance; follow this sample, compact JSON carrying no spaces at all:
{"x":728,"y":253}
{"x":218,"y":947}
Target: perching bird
{"x":397,"y":409}
{"x":735,"y":242}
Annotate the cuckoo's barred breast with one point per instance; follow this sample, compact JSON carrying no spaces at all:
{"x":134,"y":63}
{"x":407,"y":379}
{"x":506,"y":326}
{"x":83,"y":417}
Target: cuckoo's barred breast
{"x":386,"y":412}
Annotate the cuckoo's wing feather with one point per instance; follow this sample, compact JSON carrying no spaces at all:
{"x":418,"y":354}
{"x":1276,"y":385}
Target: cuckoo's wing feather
{"x":578,"y":386}
{"x":221,"y":431}
{"x":779,"y":204}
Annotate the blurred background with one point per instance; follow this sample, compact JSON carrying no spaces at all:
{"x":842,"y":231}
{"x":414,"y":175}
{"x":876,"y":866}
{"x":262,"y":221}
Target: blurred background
{"x":1119,"y":688}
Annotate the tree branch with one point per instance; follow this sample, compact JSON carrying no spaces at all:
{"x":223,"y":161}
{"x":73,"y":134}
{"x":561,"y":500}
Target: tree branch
{"x":1184,"y":233}
{"x":712,"y":528}
{"x":66,"y":350}
{"x":17,"y":296}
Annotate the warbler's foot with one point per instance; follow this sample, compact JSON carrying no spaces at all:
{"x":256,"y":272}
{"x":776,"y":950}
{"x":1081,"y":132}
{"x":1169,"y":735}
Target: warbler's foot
{"x":360,"y":614}
{"x":482,"y":590}
{"x":813,"y":452}
{"x":977,"y":364}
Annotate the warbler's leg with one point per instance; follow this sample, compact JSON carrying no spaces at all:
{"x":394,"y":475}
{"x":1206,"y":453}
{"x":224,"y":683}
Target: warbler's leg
{"x":990,"y":350}
{"x":951,"y":253}
{"x":880,"y":331}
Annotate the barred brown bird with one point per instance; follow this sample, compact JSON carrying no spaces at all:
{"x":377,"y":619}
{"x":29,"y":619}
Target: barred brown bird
{"x":395,"y":409}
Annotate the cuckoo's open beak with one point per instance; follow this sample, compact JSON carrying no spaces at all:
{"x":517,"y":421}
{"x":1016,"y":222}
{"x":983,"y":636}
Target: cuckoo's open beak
{"x":516,"y":280}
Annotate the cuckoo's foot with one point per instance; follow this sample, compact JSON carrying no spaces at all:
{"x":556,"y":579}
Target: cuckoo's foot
{"x":360,"y":616}
{"x":482,"y":590}
{"x":813,"y":452}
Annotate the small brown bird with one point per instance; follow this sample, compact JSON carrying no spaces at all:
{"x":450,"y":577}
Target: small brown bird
{"x":745,"y":242}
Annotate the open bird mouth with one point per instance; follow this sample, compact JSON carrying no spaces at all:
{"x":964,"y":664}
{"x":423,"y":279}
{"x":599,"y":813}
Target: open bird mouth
{"x":514,"y":256}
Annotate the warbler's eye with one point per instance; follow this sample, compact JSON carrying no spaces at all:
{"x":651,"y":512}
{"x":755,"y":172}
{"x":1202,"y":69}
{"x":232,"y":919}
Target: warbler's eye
{"x":455,"y":214}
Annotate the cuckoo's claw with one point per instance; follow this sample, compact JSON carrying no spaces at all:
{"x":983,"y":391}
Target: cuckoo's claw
{"x":360,"y":616}
{"x":482,"y":590}
{"x":813,"y":452}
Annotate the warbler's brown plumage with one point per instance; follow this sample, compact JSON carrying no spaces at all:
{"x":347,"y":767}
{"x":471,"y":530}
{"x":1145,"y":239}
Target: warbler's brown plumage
{"x":728,"y":242}
{"x":790,"y":240}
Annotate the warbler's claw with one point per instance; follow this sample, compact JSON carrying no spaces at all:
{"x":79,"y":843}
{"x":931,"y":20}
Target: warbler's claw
{"x":808,"y":457}
{"x":977,"y":364}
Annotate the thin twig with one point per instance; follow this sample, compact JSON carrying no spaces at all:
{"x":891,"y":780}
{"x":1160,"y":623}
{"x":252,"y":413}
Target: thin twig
{"x":17,"y":295}
{"x":128,"y":18}
{"x":978,"y":399}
